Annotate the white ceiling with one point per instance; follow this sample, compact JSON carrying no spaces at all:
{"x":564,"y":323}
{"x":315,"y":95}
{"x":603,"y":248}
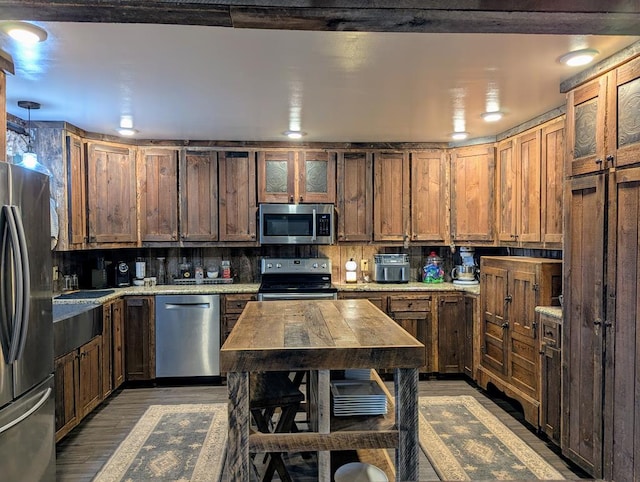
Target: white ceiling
{"x":216,"y":83}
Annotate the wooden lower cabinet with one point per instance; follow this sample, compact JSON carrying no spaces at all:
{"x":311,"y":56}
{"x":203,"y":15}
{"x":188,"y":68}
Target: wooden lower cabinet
{"x":550,"y":376}
{"x":413,"y":313}
{"x":471,"y":334}
{"x":510,"y":289}
{"x":451,"y":341}
{"x":232,"y":306}
{"x":140,"y":338}
{"x":112,"y":346}
{"x":78,"y":382}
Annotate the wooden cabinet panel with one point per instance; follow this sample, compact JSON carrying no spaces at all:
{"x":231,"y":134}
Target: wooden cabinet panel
{"x":472,"y":185}
{"x":379,"y":299}
{"x":452,"y":343}
{"x":550,"y":377}
{"x":90,"y":368}
{"x":391,"y":196}
{"x":430,"y":196}
{"x":413,"y":313}
{"x":586,"y":114}
{"x":111,"y":193}
{"x":471,"y":335}
{"x":621,"y":329}
{"x":623,"y":115}
{"x":582,"y":345}
{"x":316,"y":177}
{"x":237,"y":198}
{"x":158,"y":189}
{"x":552,"y":156}
{"x":117,"y":318}
{"x":528,"y":153}
{"x":67,"y":379}
{"x":140,"y":338}
{"x":507,"y":191}
{"x":355,"y":196}
{"x":76,"y":191}
{"x":198,"y":196}
{"x":494,"y":293}
{"x":276,"y":176}
{"x":107,"y":351}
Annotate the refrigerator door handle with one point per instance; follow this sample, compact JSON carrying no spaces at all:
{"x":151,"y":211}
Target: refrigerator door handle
{"x":29,"y":412}
{"x":15,"y":312}
{"x":26,"y":280}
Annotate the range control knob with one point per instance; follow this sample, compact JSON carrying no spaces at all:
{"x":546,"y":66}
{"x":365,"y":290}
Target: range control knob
{"x":278,"y":265}
{"x":269,"y":266}
{"x":315,"y":265}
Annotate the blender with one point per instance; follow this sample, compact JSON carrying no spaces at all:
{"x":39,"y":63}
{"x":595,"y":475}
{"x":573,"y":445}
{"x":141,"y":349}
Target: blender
{"x":465,"y":273}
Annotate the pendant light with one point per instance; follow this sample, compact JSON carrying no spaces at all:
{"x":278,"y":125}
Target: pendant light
{"x":30,"y":158}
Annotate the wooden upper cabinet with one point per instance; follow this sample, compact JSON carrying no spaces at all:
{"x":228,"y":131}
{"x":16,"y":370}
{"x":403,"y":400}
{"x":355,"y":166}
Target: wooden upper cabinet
{"x":552,"y":158}
{"x":198,"y":196}
{"x":623,"y":116}
{"x":158,"y":191}
{"x":528,"y":152}
{"x":296,"y":177}
{"x":237,"y":196}
{"x":430,"y":196}
{"x":111,"y":193}
{"x":355,"y":196}
{"x":76,"y":191}
{"x":586,"y":115}
{"x":472,"y":185}
{"x":506,"y":191}
{"x":391,"y":196}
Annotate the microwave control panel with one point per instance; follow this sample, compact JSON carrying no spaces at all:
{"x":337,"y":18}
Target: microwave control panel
{"x":323,"y":225}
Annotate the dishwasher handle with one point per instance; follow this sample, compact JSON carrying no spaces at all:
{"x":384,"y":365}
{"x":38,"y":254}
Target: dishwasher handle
{"x":177,"y":306}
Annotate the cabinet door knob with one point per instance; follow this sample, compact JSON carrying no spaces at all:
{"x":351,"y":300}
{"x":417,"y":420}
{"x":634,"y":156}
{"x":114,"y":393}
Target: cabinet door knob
{"x":599,"y":162}
{"x":610,"y":159}
{"x":505,"y":324}
{"x":291,"y":198}
{"x":508,"y":299}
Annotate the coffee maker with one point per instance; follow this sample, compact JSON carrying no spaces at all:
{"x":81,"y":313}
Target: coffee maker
{"x":466,"y":273}
{"x":121,"y":275}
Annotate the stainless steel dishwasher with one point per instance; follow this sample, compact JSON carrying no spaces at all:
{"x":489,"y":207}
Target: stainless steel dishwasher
{"x":187,"y":335}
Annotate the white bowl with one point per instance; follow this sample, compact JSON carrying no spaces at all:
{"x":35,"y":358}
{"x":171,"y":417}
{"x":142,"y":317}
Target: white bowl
{"x":138,"y":282}
{"x":359,"y":472}
{"x":212,"y":274}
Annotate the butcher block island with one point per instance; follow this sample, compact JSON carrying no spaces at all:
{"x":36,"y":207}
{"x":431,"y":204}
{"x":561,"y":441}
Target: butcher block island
{"x":317,"y":337}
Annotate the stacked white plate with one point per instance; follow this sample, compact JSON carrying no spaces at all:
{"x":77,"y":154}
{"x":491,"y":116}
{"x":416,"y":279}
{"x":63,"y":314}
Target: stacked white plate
{"x":358,"y":397}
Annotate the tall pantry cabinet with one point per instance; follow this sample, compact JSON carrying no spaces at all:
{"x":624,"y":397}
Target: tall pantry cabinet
{"x":601,"y":332}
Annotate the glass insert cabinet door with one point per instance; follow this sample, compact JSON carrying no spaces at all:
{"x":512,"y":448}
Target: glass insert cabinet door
{"x":296,"y":176}
{"x":626,"y":82}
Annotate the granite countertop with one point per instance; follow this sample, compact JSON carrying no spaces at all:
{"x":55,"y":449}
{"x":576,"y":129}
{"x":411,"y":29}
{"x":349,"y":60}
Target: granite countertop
{"x":411,"y":286}
{"x":163,"y":290}
{"x":232,"y":288}
{"x":553,"y":311}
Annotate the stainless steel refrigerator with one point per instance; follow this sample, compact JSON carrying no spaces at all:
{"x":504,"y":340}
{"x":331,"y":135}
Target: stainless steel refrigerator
{"x":27,"y":413}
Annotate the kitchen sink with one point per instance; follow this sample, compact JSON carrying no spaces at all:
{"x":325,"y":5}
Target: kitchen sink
{"x":84,"y":294}
{"x":74,"y":325}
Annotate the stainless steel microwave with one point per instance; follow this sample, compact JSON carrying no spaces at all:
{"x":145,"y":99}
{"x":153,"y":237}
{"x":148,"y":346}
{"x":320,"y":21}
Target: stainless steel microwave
{"x":296,"y":223}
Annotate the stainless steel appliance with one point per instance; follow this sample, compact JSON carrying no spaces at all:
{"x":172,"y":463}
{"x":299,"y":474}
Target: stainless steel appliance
{"x":187,"y":335}
{"x":296,"y":223}
{"x":296,"y":279}
{"x":27,"y":405}
{"x":391,"y":268}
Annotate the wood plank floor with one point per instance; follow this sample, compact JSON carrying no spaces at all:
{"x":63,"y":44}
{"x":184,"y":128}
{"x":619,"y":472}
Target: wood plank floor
{"x":82,"y":453}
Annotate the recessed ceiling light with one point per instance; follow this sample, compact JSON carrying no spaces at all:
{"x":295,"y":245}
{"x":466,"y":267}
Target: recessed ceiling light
{"x":25,"y":33}
{"x":294,"y":134}
{"x":126,"y":131}
{"x":492,"y":116}
{"x":459,"y":136}
{"x":578,"y":57}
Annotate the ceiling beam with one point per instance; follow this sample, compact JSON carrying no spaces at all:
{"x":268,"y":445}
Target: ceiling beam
{"x":435,"y":16}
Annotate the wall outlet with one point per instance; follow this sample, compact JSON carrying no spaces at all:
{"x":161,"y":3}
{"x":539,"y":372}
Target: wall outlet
{"x":55,"y":273}
{"x":364,"y":265}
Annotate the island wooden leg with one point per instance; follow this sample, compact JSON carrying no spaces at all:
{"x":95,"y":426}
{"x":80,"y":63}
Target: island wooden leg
{"x":324,"y":423}
{"x":238,"y":463}
{"x":406,"y":388}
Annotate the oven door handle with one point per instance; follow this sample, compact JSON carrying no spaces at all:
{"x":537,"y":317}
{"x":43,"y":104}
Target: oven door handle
{"x":296,"y":296}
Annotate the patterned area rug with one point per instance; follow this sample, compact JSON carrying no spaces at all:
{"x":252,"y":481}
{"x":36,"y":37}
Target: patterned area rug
{"x":184,"y":443}
{"x":464,"y":441}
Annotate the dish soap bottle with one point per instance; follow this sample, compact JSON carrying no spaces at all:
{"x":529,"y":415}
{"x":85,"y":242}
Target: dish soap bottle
{"x":432,"y":271}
